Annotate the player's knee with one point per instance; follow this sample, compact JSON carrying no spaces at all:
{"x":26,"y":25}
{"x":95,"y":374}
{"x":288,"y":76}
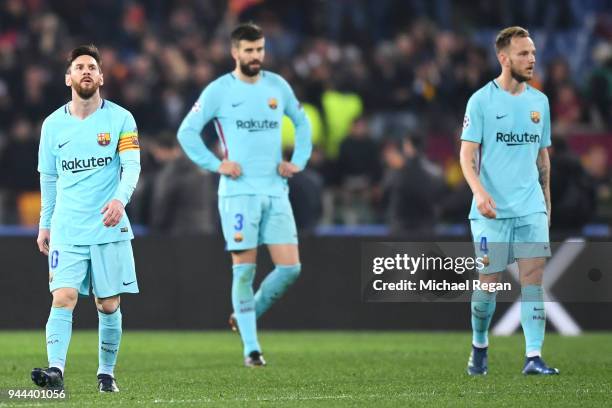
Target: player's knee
{"x":108,"y":308}
{"x":65,"y":298}
{"x":490,"y":277}
{"x":532,"y":276}
{"x":108,"y":305}
{"x":291,"y":271}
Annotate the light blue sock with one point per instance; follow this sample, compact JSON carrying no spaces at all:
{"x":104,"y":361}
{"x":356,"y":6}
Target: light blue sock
{"x":274,"y":286}
{"x":244,"y":306}
{"x":58,"y":331}
{"x":533,"y":319}
{"x":483,"y":307}
{"x":109,"y":339}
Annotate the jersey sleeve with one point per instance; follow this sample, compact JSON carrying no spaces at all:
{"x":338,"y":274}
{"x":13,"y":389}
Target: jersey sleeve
{"x":545,"y":141}
{"x":48,"y":193}
{"x":46,"y":158}
{"x":303,"y":130}
{"x":48,"y":176}
{"x":128,"y":149}
{"x":189,"y":133}
{"x":473,"y":121}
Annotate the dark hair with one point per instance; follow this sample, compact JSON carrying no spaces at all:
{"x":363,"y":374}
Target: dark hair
{"x":507,"y":34}
{"x":246,"y":31}
{"x":90,"y":50}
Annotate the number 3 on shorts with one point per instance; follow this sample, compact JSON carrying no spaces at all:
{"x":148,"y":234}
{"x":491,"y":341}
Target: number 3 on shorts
{"x":239,"y":222}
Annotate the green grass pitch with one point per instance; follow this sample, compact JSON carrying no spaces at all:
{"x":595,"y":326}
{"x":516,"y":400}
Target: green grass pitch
{"x":316,"y":369}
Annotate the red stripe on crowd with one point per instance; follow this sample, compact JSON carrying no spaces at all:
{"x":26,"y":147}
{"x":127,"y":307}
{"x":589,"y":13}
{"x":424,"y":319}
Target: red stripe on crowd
{"x":222,"y":136}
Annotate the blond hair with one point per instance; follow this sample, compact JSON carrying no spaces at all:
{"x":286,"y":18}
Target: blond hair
{"x":507,"y":34}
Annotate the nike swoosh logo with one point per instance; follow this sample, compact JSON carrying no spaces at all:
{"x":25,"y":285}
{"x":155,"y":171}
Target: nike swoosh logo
{"x":109,"y":344}
{"x":478,"y":310}
{"x":128,"y":283}
{"x":500,"y":116}
{"x":237,"y":104}
{"x":59,"y":146}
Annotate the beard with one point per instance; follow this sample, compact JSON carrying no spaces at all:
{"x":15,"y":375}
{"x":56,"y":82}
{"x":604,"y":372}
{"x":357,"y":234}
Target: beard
{"x":249,"y":70}
{"x":85,"y":93}
{"x":518,"y":77}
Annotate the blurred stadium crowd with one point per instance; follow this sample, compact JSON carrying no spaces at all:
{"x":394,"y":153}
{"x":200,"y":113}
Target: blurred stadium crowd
{"x":383,"y":82}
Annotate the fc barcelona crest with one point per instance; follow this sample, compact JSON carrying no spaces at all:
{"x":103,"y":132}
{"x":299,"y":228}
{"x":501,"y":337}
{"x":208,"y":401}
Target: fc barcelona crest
{"x":272,"y":103}
{"x":535,"y":116}
{"x":104,"y":139}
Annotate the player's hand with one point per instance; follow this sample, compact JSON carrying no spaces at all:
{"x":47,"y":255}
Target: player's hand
{"x":44,"y":235}
{"x":287,"y":169}
{"x":485,"y":204}
{"x":113,"y":211}
{"x":230,"y":168}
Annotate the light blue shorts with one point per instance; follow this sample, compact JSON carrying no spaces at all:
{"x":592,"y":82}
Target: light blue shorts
{"x":107,"y":269}
{"x":508,"y":239}
{"x":251,"y":220}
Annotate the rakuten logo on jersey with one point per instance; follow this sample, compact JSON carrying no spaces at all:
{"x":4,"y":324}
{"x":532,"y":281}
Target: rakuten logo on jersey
{"x":78,"y":165}
{"x":516,"y":139}
{"x":253,"y":125}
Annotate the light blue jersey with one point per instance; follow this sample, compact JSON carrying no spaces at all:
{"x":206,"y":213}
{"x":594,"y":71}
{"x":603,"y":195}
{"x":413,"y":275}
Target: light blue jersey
{"x":510,"y":130}
{"x":248,"y":121}
{"x":89,"y":162}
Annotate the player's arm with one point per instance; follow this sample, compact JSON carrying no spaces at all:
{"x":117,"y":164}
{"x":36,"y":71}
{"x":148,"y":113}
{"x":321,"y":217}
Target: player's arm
{"x":48,"y":189}
{"x":468,"y":157}
{"x":190,"y":130}
{"x":471,"y":139}
{"x":303,"y":135}
{"x":543,"y":164}
{"x":48,"y":192}
{"x":543,"y":161}
{"x":129,"y":157}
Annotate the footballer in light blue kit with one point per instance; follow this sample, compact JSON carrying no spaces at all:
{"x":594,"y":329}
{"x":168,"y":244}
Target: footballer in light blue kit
{"x":247,"y":107}
{"x":504,"y":158}
{"x":89,"y":163}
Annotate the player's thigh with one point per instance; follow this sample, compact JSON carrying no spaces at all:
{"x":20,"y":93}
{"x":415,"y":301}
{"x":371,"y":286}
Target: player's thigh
{"x":492,"y":239}
{"x":284,"y":254}
{"x":69,"y":267}
{"x":492,"y":277}
{"x":244,"y":257}
{"x":278,"y":224}
{"x":240,"y":218}
{"x":531,"y":238}
{"x":112,"y":269}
